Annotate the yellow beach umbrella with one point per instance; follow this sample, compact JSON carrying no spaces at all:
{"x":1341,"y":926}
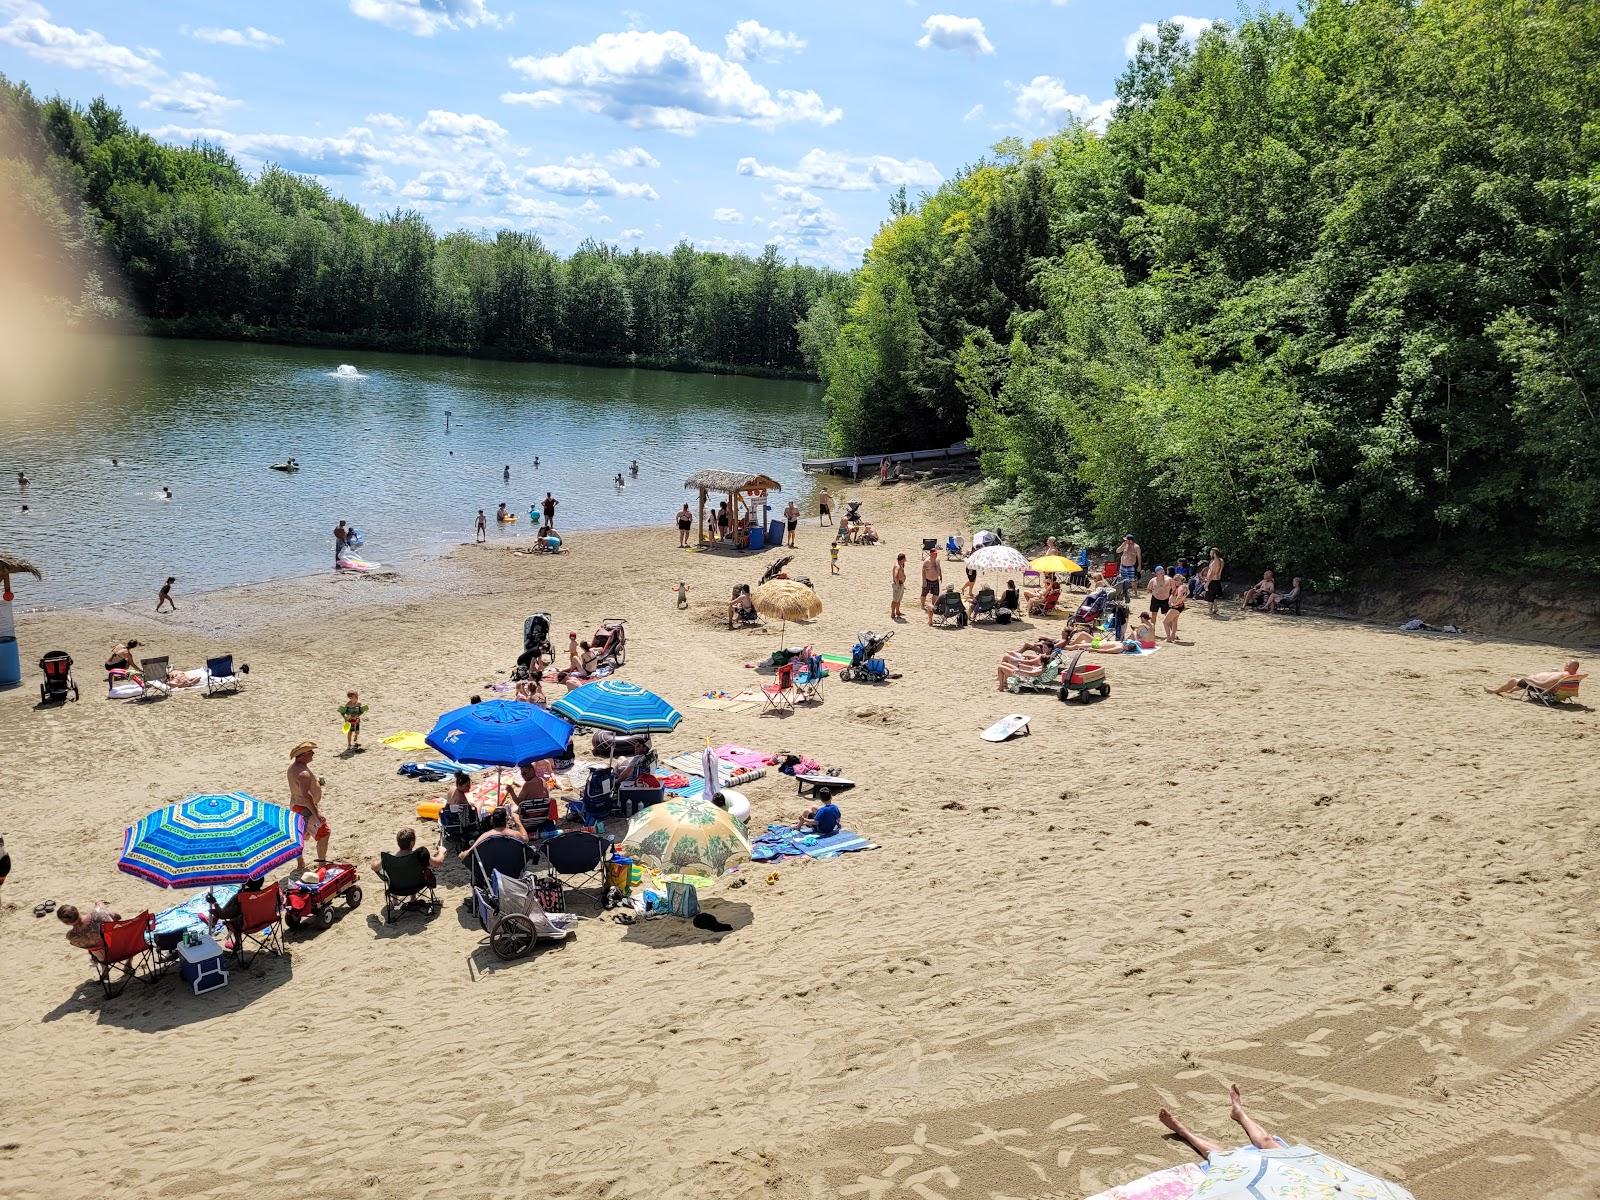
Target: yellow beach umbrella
{"x":1054,"y":564}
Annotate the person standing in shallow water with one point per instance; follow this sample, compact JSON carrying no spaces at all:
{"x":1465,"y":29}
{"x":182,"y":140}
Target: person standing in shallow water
{"x":480,"y":532}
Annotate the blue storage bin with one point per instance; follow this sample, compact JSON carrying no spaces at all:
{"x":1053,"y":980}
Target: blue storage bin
{"x":757,"y":539}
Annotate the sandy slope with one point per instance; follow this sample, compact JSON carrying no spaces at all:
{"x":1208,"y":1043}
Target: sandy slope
{"x":1311,"y":857}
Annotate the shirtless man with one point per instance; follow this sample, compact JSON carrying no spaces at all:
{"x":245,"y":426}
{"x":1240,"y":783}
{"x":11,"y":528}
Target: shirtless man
{"x":341,"y":536}
{"x":1130,"y":561}
{"x":791,"y":518}
{"x":1545,"y":679}
{"x":825,"y":508}
{"x":1211,"y":580}
{"x":1160,"y":590}
{"x":305,"y":798}
{"x":897,"y":587}
{"x":932,"y":578}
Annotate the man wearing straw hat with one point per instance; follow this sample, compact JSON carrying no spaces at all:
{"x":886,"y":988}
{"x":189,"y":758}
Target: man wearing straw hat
{"x":305,"y":798}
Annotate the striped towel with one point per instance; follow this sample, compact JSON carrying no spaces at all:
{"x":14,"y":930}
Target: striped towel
{"x":446,"y":767}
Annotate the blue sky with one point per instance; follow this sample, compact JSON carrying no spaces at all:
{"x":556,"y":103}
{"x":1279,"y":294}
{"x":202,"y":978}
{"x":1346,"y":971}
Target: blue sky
{"x":733,"y":125}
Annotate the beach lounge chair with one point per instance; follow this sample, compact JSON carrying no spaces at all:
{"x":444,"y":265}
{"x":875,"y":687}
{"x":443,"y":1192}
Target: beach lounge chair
{"x":259,"y":925}
{"x":221,"y":676}
{"x":153,"y":674}
{"x":777,"y":692}
{"x":515,"y":920}
{"x":984,"y":605}
{"x":404,"y":880}
{"x":1047,"y":680}
{"x":580,"y":854}
{"x":808,"y":678}
{"x":1560,"y":692}
{"x":126,"y":951}
{"x":58,"y":682}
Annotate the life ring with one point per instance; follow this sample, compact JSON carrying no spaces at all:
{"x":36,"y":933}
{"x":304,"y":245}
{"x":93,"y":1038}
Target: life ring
{"x":508,"y":519}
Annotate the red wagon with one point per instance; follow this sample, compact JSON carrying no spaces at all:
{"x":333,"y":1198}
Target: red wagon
{"x":311,"y":897}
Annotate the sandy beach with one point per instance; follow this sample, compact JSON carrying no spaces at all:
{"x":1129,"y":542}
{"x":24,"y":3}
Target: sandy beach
{"x":1305,"y":855}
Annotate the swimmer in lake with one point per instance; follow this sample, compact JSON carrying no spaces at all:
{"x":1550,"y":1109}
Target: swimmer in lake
{"x":634,"y":469}
{"x":22,"y":480}
{"x":618,"y":480}
{"x":506,"y":474}
{"x":166,"y":492}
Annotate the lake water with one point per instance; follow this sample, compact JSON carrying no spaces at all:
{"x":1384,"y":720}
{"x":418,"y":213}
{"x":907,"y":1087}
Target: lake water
{"x":207,"y":418}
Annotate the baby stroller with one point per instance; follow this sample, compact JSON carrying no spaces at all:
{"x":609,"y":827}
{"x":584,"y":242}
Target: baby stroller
{"x":865,"y":665}
{"x":852,"y":511}
{"x":1092,"y":608}
{"x":536,"y":648}
{"x":949,"y":610}
{"x":610,"y":642}
{"x":58,"y":680}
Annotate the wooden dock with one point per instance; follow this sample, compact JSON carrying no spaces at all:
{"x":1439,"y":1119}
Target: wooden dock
{"x":908,"y":460}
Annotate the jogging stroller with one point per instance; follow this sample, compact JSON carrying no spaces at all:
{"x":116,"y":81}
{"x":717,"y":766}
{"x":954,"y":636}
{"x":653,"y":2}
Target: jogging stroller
{"x":949,"y":610}
{"x":1093,"y":607}
{"x":58,"y":680}
{"x":610,"y":642}
{"x":865,"y":665}
{"x":536,"y":648}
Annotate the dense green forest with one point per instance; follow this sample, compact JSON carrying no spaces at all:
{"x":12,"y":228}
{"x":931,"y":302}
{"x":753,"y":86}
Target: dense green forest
{"x":202,"y":248}
{"x":1325,"y":292}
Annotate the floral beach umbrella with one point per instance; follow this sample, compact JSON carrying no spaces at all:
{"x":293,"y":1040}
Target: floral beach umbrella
{"x":1290,"y":1174}
{"x":1003,"y":559}
{"x":687,"y":835}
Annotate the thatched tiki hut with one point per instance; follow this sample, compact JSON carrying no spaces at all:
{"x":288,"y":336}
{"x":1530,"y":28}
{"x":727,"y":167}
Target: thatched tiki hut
{"x":746,"y":492}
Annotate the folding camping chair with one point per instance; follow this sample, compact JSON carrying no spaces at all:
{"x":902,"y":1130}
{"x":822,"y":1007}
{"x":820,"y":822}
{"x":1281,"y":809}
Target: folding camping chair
{"x":259,"y":925}
{"x":126,"y":951}
{"x":153,"y":673}
{"x":405,"y":879}
{"x":221,"y":676}
{"x":581,"y":854}
{"x":777,"y":692}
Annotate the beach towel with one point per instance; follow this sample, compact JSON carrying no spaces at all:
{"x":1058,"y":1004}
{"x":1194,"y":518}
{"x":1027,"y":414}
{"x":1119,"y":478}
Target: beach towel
{"x":836,"y":660}
{"x":1174,"y":1183}
{"x":1141,"y":652}
{"x":741,"y":756}
{"x":406,"y":742}
{"x":785,"y":841}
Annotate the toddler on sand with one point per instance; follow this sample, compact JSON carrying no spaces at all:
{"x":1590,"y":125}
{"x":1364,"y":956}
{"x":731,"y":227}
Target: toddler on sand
{"x":351,"y":711}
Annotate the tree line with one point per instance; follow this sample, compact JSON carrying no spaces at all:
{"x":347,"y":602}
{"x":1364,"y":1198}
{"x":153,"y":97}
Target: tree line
{"x":1323,"y":292}
{"x":201,"y":247}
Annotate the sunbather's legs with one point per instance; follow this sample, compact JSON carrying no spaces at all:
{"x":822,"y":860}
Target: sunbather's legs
{"x":1203,"y":1146}
{"x":1259,"y":1137}
{"x":1509,"y":685}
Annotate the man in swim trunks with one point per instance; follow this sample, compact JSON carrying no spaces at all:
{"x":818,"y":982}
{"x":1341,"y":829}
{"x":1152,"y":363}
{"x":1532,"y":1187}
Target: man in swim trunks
{"x":825,"y":507}
{"x":1545,"y":679}
{"x":1211,"y":580}
{"x":791,"y":517}
{"x":1130,"y":561}
{"x":932,"y":577}
{"x":480,"y":531}
{"x":897,"y":587}
{"x":305,"y":798}
{"x":1160,"y":590}
{"x":341,"y":537}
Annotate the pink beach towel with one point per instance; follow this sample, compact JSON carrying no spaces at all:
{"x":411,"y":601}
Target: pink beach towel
{"x":741,"y":756}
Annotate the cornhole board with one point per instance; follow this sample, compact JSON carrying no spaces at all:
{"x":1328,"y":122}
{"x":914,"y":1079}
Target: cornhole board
{"x":1006,"y":728}
{"x":807,"y":785}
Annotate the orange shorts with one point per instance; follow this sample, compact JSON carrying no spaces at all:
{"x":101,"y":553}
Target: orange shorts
{"x":317,"y":828}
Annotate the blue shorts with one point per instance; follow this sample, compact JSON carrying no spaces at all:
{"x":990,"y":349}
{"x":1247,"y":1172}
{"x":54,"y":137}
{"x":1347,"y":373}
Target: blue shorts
{"x":1127,"y":572}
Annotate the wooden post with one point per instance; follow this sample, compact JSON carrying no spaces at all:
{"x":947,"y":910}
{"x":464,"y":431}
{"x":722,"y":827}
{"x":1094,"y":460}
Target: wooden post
{"x":701,"y":537}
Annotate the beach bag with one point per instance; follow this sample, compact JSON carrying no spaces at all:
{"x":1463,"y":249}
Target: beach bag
{"x":620,"y":874}
{"x":547,"y":891}
{"x":682,"y":899}
{"x":1002,"y":616}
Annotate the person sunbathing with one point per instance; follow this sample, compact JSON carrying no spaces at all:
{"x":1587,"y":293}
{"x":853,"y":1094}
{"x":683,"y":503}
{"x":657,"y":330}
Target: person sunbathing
{"x":1023,"y":663}
{"x":460,"y":799}
{"x":1205,"y":1147}
{"x":1545,"y":680}
{"x":1277,"y":598}
{"x":531,"y":691}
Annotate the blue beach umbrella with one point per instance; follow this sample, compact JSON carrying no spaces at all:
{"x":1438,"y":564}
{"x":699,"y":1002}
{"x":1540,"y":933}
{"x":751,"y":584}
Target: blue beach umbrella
{"x":618,"y":706}
{"x":500,"y":733}
{"x":208,"y":840}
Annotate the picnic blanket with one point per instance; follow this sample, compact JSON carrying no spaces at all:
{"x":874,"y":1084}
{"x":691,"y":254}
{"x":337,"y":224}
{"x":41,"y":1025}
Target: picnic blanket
{"x":741,"y":756}
{"x":785,"y":841}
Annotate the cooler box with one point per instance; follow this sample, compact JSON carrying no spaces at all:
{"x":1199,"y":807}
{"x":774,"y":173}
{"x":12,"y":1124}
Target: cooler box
{"x":202,"y":966}
{"x":634,"y":796}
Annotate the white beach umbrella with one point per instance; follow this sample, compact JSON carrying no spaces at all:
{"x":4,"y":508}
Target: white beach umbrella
{"x":1004,"y":559}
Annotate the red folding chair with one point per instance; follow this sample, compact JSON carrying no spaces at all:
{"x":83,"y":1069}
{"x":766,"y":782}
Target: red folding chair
{"x":777,"y":692}
{"x":259,"y":925}
{"x":126,"y":951}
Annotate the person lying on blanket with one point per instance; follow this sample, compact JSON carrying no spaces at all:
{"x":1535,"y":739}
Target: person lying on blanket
{"x":823,"y":818}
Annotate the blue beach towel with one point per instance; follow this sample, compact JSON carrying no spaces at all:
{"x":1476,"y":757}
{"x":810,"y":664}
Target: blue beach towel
{"x":785,"y":841}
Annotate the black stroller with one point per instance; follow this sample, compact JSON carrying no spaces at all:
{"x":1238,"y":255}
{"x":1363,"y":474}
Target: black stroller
{"x":536,"y":648}
{"x":58,"y":680}
{"x":852,"y":511}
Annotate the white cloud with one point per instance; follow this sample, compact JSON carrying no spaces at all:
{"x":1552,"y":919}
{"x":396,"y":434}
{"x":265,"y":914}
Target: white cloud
{"x":1189,"y":30}
{"x":31,"y":31}
{"x":461,"y":128}
{"x":1045,"y":100}
{"x":728,"y":216}
{"x":249,"y":36}
{"x":630,"y":235}
{"x":973,"y":113}
{"x":579,"y":179}
{"x":955,"y":33}
{"x":846,"y":172}
{"x":632,"y":156}
{"x":662,"y":81}
{"x":349,"y":153}
{"x":752,"y":39}
{"x":424,"y":18}
{"x":384,"y":120}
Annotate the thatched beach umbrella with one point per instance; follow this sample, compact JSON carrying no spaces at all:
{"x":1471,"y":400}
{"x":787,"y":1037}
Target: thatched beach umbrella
{"x":786,"y":600}
{"x":11,"y":565}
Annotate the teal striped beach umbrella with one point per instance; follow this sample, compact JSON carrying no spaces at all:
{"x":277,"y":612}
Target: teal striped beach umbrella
{"x":618,"y":706}
{"x":208,"y":840}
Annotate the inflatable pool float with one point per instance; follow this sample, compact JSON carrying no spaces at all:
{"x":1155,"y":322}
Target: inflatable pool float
{"x":357,"y":564}
{"x":508,"y":519}
{"x":288,"y":468}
